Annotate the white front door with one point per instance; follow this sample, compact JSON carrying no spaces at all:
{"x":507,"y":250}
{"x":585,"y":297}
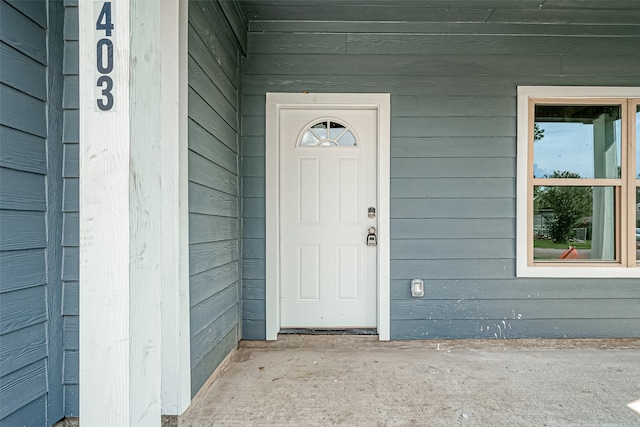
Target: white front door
{"x":328,"y":189}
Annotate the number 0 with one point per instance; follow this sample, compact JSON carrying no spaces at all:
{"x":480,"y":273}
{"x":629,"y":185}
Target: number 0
{"x":102,"y":68}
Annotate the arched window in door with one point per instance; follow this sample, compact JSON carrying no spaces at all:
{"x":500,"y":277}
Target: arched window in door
{"x":328,"y":133}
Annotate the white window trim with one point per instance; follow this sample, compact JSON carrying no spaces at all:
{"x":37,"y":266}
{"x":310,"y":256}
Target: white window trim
{"x":565,"y":270}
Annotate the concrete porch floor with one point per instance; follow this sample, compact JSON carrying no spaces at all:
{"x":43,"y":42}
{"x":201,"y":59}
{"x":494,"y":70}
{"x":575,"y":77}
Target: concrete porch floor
{"x":319,"y":380}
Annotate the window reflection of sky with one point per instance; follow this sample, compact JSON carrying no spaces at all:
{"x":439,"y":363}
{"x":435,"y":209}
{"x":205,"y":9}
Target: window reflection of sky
{"x":564,"y":147}
{"x":638,"y":141}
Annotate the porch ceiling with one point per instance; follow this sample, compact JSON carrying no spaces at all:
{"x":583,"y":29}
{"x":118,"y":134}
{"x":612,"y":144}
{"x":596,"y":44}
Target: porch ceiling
{"x":609,"y":12}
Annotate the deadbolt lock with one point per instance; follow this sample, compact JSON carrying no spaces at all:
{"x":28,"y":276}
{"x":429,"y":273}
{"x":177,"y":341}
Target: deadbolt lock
{"x":372,"y":240}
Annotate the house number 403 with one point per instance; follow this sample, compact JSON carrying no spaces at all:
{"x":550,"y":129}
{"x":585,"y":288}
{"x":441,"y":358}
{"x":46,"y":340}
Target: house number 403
{"x":104,"y":58}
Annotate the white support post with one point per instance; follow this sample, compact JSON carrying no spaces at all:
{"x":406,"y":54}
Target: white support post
{"x":176,"y":366}
{"x":120,"y":205}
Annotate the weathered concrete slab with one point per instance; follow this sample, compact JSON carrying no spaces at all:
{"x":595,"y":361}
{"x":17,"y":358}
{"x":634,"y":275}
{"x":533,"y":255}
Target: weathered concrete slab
{"x":357,"y":381}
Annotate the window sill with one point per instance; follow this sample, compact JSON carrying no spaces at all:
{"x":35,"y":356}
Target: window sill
{"x":576,"y":271}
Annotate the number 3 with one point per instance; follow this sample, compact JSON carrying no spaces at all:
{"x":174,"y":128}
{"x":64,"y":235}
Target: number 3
{"x":106,"y":92}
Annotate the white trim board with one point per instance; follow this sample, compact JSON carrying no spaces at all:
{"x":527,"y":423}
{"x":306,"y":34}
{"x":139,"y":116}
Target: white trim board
{"x":120,"y":204}
{"x":277,"y":101}
{"x":134,"y":234}
{"x":174,"y":154}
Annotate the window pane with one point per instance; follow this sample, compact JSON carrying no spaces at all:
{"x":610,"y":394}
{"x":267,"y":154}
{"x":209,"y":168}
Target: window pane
{"x":637,"y":141}
{"x":320,"y":129}
{"x":637,"y":238}
{"x":335,"y":130}
{"x":577,"y":141}
{"x":582,"y":218}
{"x":309,"y":139}
{"x":328,"y":134}
{"x":347,"y":140}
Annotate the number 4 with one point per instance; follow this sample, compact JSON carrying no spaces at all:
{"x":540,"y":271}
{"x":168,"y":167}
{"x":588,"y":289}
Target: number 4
{"x":104,"y":19}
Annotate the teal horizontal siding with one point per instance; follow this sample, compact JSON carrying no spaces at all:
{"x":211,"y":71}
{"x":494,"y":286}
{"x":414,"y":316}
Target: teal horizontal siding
{"x":23,"y":73}
{"x":514,"y":309}
{"x":441,"y":208}
{"x":452,"y":248}
{"x":253,"y":186}
{"x":405,"y":65}
{"x":208,"y":146}
{"x":71,"y":301}
{"x":453,"y":86}
{"x":205,"y":256}
{"x":71,"y":228}
{"x":26,"y":113}
{"x":35,"y":10}
{"x":208,"y":22}
{"x":456,"y":168}
{"x":22,"y":230}
{"x":253,"y":329}
{"x":214,"y":184}
{"x":515,"y":289}
{"x":438,"y":269}
{"x":222,"y":345}
{"x":203,"y":85}
{"x":420,"y":188}
{"x":557,"y":16}
{"x":22,"y":269}
{"x":253,"y":269}
{"x":217,"y":303}
{"x":253,"y":289}
{"x":211,"y":121}
{"x":253,"y":207}
{"x":302,"y":43}
{"x":70,"y":263}
{"x":212,"y":333}
{"x":71,"y":366}
{"x":204,"y":172}
{"x":424,"y":85}
{"x":208,"y":201}
{"x":22,"y":151}
{"x":22,"y":308}
{"x":454,"y":44}
{"x":71,"y":333}
{"x":326,"y":11}
{"x":72,"y":400}
{"x":22,"y":190}
{"x":23,"y":33}
{"x":200,"y":54}
{"x":260,"y":28}
{"x":71,"y":56}
{"x":458,"y":228}
{"x":420,"y":127}
{"x":253,"y":248}
{"x":212,"y":281}
{"x":71,"y":126}
{"x":22,"y":387}
{"x":71,"y":201}
{"x":449,"y":147}
{"x":495,"y":329}
{"x":208,"y":228}
{"x":31,"y":414}
{"x":29,"y":214}
{"x":22,"y":347}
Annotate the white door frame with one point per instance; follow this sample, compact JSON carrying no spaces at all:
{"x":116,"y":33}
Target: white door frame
{"x":278,"y":101}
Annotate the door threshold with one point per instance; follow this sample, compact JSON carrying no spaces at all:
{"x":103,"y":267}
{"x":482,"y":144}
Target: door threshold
{"x":320,"y":331}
